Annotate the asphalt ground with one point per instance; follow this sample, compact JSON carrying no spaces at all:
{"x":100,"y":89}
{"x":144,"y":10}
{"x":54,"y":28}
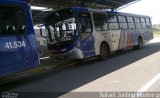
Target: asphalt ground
{"x":128,"y":71}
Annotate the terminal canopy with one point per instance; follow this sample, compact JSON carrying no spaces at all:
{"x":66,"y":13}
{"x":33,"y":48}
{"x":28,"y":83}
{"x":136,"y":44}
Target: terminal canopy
{"x":59,"y":4}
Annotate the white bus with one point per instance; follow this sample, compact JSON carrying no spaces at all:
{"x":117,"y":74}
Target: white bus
{"x":79,"y":33}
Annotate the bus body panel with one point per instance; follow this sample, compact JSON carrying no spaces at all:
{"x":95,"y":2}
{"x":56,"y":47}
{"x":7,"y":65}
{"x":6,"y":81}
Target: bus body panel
{"x":129,"y":38}
{"x":121,"y":39}
{"x":87,"y":47}
{"x":115,"y":37}
{"x":18,"y":52}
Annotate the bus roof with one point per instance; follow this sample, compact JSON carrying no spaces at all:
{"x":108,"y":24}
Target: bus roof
{"x":98,"y":4}
{"x":59,"y":4}
{"x":117,"y":13}
{"x":109,"y":12}
{"x":79,"y":9}
{"x":127,"y":14}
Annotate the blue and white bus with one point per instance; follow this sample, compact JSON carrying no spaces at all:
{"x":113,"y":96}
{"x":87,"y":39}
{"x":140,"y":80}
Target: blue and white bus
{"x":79,"y":33}
{"x":18,"y":47}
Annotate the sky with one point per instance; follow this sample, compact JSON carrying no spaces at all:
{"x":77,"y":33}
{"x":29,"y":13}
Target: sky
{"x":145,"y":7}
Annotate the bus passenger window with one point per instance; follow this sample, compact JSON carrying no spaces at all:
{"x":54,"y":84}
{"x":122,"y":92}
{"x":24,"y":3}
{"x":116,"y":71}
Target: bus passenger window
{"x":111,"y":18}
{"x":122,"y":22}
{"x":130,"y":21}
{"x":113,"y":26}
{"x":12,"y":20}
{"x":100,"y":22}
{"x":85,"y":25}
{"x":137,"y":22}
{"x":112,"y":22}
{"x":143,"y":23}
{"x":148,"y":23}
{"x":123,"y":25}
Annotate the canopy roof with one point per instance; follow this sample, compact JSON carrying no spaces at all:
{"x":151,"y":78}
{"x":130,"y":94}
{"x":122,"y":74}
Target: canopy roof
{"x":59,"y":4}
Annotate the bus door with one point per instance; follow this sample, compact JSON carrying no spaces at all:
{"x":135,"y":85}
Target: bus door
{"x":87,"y":39}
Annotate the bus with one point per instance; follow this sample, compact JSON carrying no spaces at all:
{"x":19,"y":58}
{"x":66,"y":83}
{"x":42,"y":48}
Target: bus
{"x":79,"y":33}
{"x":18,"y":47}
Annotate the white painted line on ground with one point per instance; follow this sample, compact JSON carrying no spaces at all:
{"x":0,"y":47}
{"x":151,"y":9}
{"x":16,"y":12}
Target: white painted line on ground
{"x":150,"y":83}
{"x":44,"y":58}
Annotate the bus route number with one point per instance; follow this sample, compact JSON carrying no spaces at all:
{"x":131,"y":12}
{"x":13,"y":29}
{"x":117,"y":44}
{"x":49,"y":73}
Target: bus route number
{"x":15,"y":44}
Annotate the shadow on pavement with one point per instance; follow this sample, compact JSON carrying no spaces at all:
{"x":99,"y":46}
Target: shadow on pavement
{"x":69,"y":78}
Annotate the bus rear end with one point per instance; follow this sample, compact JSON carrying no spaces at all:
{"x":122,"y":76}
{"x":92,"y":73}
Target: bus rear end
{"x":18,"y":49}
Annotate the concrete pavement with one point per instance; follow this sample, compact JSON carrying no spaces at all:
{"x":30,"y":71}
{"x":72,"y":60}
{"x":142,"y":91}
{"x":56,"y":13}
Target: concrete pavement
{"x":128,"y":71}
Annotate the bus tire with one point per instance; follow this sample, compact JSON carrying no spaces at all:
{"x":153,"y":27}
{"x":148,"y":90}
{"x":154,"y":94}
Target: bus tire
{"x":104,"y":51}
{"x":140,"y":44}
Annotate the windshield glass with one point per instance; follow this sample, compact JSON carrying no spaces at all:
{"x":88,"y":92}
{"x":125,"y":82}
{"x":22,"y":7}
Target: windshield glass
{"x":62,"y":30}
{"x":12,"y":20}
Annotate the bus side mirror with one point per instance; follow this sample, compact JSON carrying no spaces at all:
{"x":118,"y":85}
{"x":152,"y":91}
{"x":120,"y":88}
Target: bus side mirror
{"x":42,"y":33}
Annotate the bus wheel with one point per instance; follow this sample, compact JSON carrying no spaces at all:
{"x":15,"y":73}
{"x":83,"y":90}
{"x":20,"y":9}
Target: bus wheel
{"x":140,"y":44}
{"x":104,"y":52}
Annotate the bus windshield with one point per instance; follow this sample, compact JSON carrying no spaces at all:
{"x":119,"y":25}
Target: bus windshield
{"x":12,"y":20}
{"x":61,"y":26}
{"x":62,"y":30}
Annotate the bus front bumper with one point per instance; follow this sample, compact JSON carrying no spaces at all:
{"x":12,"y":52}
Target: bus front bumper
{"x":74,"y":54}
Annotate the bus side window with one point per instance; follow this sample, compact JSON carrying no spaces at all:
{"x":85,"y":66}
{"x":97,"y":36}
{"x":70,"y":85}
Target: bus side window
{"x":137,"y":22}
{"x":148,"y":22}
{"x":112,"y":22}
{"x":143,"y":23}
{"x":85,"y":25}
{"x":122,"y":22}
{"x":100,"y":22}
{"x":130,"y":21}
